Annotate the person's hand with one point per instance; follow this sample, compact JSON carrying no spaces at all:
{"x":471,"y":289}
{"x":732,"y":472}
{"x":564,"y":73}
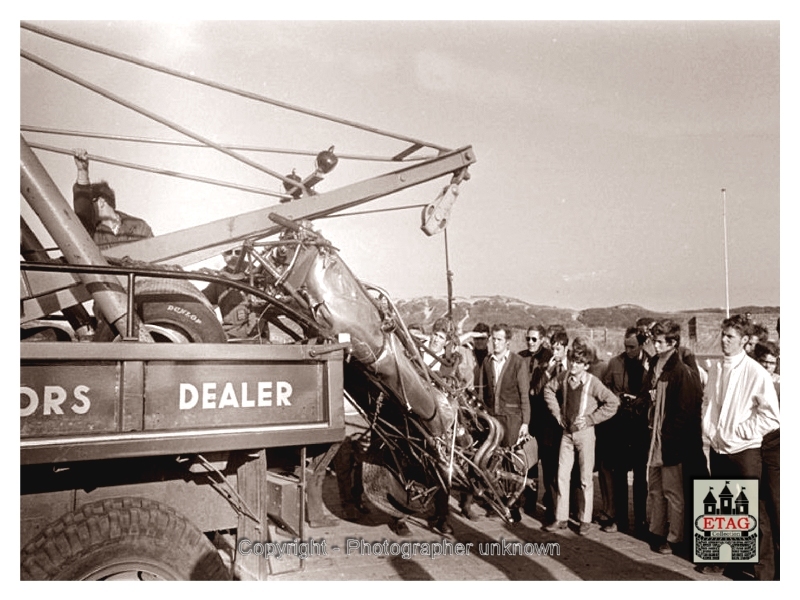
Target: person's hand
{"x":552,"y":366}
{"x":578,"y":424}
{"x":523,"y":432}
{"x":743,"y":431}
{"x":81,"y":157}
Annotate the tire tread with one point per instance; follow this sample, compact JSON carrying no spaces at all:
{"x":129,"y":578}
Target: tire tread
{"x":101,"y":525}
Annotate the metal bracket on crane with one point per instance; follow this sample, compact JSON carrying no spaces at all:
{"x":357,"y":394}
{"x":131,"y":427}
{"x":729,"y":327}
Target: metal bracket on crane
{"x":436,"y":214}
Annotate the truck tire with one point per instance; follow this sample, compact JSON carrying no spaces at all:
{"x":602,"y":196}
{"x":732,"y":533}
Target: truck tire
{"x":122,"y":538}
{"x":173,"y":310}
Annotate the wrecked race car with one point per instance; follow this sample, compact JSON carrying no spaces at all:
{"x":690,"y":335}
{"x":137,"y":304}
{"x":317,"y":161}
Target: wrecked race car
{"x":427,"y":433}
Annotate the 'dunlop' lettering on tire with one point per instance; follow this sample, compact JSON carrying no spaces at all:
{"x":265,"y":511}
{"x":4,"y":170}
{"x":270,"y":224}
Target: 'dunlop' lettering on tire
{"x":182,"y":311}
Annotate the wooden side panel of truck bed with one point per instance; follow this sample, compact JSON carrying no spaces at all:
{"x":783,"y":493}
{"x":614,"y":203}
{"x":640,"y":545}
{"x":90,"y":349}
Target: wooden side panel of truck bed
{"x":112,"y":400}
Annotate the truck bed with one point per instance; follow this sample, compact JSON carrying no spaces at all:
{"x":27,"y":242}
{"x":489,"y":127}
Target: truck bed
{"x":86,"y":401}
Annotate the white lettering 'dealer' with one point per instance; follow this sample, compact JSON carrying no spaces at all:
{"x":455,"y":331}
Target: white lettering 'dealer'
{"x":210,"y":396}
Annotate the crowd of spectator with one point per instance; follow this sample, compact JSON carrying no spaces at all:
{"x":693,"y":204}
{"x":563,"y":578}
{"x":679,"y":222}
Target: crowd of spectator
{"x":651,"y":411}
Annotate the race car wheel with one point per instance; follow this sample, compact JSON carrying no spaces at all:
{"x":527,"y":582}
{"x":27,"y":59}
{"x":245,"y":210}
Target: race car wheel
{"x":173,"y":311}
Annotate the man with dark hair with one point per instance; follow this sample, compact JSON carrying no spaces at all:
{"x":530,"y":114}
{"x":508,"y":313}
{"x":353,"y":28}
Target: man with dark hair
{"x":474,"y":349}
{"x":504,"y":378}
{"x":624,"y":439}
{"x":537,"y":354}
{"x":440,"y":332}
{"x":645,"y":337}
{"x":644,"y":326}
{"x":675,"y":444}
{"x":545,"y":426}
{"x":504,"y":384}
{"x":96,"y":207}
{"x":480,"y":344}
{"x":536,"y":348}
{"x":558,"y":363}
{"x":578,"y":401}
{"x":755,"y":333}
{"x":767,"y":355}
{"x":597,"y":367}
{"x":551,"y":331}
{"x":447,"y":356}
{"x":740,"y":407}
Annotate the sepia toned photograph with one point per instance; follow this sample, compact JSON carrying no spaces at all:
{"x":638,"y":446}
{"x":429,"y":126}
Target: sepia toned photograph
{"x":400,"y":300}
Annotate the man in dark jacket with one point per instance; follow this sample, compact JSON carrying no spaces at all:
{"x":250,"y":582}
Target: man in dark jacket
{"x":544,"y":426}
{"x":623,"y":441}
{"x":676,"y":440}
{"x":538,"y":355}
{"x":503,"y":385}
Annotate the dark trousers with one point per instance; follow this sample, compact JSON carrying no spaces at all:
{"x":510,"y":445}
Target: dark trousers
{"x":613,"y":471}
{"x":640,"y":494}
{"x":549,"y":446}
{"x":747,"y":465}
{"x":771,"y":492}
{"x":614,"y":492}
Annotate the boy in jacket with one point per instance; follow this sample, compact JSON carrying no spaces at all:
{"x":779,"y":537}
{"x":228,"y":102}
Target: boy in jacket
{"x":675,"y":440}
{"x":578,"y":400}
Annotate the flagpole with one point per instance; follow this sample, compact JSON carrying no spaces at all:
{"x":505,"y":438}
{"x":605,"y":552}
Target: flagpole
{"x":725,"y":236}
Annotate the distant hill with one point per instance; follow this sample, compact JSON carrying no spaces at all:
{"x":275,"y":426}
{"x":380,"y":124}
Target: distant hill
{"x":606,"y":326}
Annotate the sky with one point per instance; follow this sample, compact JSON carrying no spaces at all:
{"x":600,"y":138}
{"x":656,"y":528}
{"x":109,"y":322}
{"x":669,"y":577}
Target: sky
{"x":602,"y":144}
{"x":602,"y":147}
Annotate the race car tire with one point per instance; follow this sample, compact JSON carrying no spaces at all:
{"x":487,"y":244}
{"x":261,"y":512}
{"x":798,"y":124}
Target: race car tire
{"x":176,"y":310}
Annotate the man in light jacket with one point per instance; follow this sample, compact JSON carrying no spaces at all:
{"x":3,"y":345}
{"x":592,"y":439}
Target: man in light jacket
{"x":740,"y":406}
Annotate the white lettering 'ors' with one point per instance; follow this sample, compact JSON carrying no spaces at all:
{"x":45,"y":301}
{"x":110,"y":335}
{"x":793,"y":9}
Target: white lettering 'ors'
{"x":231,"y":396}
{"x":53,"y":396}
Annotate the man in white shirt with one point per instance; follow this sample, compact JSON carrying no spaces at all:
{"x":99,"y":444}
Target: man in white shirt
{"x":740,"y":406}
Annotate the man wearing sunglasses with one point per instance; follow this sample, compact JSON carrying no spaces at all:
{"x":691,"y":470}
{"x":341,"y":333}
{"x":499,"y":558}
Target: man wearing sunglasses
{"x":538,"y":355}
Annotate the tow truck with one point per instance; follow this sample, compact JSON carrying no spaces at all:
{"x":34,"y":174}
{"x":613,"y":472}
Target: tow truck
{"x":149,"y":460}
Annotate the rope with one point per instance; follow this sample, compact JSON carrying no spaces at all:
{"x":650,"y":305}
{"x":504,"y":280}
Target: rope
{"x":225,"y":88}
{"x":142,"y":111}
{"x":368,"y":212}
{"x":163,"y":142}
{"x":119,"y":163}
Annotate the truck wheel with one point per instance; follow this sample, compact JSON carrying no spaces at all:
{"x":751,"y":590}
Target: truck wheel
{"x":173,"y":311}
{"x":122,"y":538}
